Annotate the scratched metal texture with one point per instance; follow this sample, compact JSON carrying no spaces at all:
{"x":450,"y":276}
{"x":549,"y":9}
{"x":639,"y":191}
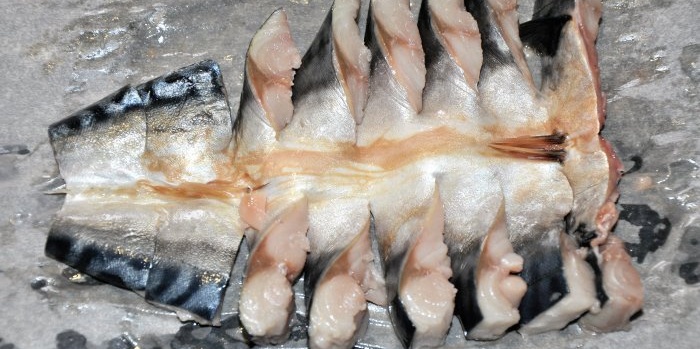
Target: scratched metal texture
{"x":57,"y":56}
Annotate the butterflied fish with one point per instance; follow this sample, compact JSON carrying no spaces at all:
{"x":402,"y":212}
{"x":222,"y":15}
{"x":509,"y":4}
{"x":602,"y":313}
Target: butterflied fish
{"x":427,"y":168}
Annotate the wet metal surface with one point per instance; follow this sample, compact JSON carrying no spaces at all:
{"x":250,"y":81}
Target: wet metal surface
{"x":58,"y":56}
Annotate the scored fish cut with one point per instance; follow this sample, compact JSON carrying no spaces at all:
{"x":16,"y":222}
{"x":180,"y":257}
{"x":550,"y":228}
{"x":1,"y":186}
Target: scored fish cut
{"x":483,"y":185}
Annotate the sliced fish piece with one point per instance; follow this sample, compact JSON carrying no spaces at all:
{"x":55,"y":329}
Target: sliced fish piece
{"x":622,"y":287}
{"x":560,"y":287}
{"x":416,"y":266}
{"x":498,"y":25}
{"x":448,"y":29}
{"x":277,"y":257}
{"x":110,"y":134}
{"x":188,"y":124}
{"x":453,"y":58}
{"x":471,"y":197}
{"x":266,"y":100}
{"x":498,"y":291}
{"x":480,"y":250}
{"x":176,"y":255}
{"x":330,"y":88}
{"x":340,"y":274}
{"x":425,"y":295}
{"x":503,"y":15}
{"x":507,"y":93}
{"x":194,"y":253}
{"x":111,"y":239}
{"x":551,"y":266}
{"x":398,"y":43}
{"x":397,"y":71}
{"x":560,"y":284}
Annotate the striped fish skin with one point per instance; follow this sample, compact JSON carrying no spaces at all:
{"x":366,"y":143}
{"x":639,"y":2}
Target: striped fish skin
{"x":425,"y":167}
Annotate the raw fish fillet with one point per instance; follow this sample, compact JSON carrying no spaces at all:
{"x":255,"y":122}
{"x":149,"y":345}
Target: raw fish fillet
{"x":428,"y":168}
